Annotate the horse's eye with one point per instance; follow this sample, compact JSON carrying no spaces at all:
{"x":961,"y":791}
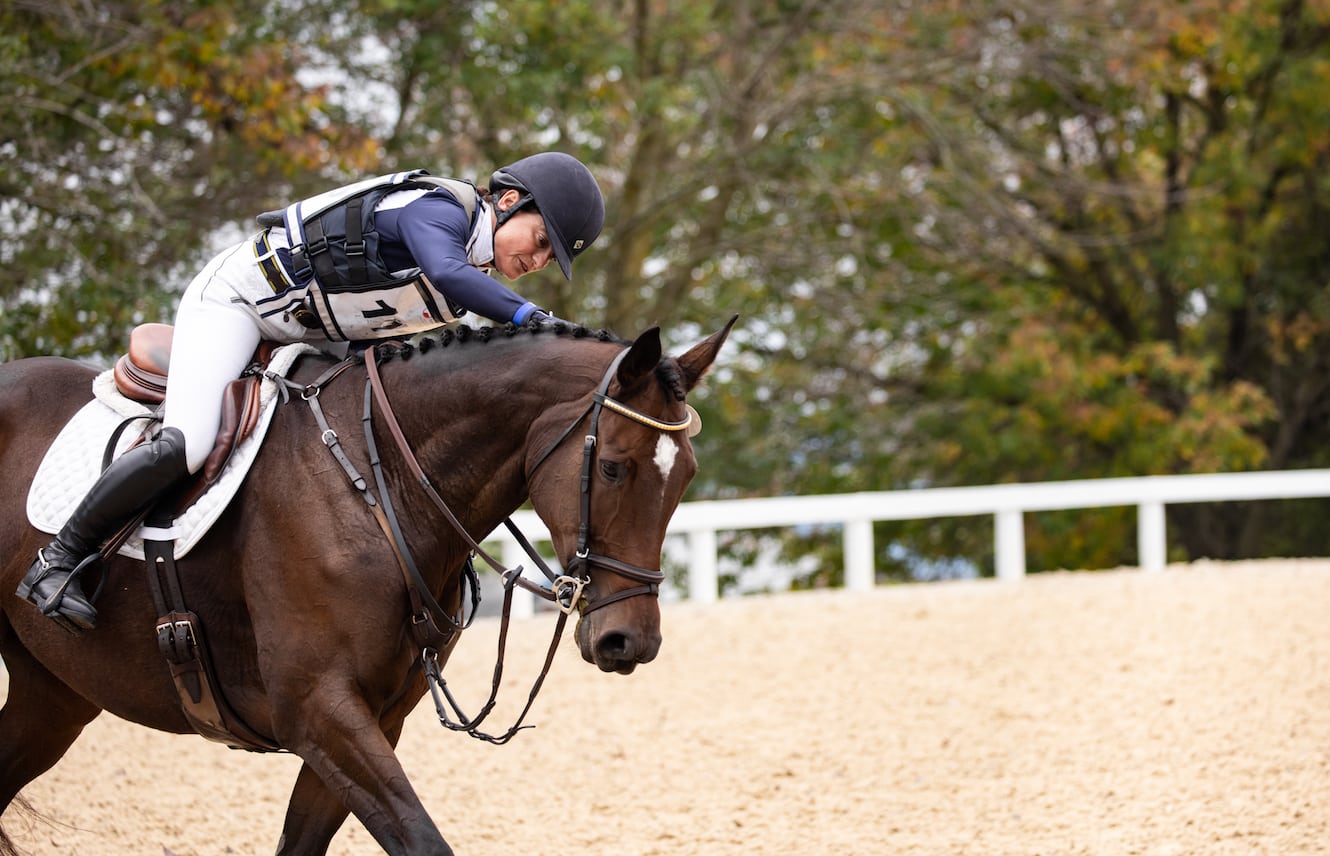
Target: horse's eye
{"x":611,"y":471}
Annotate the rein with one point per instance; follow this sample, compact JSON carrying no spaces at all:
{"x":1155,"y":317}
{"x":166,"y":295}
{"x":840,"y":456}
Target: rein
{"x":566,"y":591}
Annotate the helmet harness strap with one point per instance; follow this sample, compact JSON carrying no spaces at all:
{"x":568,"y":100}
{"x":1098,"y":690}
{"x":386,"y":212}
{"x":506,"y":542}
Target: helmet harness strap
{"x":501,"y":215}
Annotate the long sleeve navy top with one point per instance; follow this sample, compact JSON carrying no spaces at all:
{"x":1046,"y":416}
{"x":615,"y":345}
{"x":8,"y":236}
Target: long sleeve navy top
{"x":431,"y":233}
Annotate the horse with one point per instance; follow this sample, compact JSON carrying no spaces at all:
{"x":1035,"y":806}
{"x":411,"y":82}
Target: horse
{"x":308,"y":616}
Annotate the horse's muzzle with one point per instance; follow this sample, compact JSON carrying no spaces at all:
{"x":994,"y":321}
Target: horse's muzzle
{"x":612,"y":647}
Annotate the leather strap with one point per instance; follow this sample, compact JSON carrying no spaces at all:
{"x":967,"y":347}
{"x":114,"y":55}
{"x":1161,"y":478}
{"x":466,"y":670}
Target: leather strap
{"x":442,"y":696}
{"x":650,"y":579}
{"x":423,"y":626}
{"x":394,"y":428}
{"x":181,"y":642}
{"x":423,"y":605}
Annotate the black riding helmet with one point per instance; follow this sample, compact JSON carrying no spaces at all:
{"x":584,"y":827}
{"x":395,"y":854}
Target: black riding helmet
{"x":565,"y":194}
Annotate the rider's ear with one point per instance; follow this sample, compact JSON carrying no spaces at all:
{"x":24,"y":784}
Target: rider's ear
{"x":641,"y":359}
{"x":698,"y":359}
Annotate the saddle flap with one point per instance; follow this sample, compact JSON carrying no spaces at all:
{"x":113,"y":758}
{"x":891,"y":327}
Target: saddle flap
{"x":72,"y":463}
{"x":140,"y":375}
{"x":241,"y":405}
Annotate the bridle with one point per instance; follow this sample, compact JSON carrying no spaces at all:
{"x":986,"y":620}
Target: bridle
{"x":567,"y":591}
{"x":648,"y":579}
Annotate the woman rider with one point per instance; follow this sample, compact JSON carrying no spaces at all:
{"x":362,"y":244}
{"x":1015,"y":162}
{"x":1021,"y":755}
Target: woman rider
{"x":383,"y":258}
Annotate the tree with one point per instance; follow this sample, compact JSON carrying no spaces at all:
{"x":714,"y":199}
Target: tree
{"x":131,"y":134}
{"x":1045,"y":240}
{"x":1157,"y":186}
{"x":970,"y":243}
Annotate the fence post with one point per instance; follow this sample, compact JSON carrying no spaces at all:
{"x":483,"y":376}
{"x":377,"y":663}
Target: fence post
{"x":1151,"y":536}
{"x":858,"y":536}
{"x":1009,"y":544}
{"x":702,"y":575}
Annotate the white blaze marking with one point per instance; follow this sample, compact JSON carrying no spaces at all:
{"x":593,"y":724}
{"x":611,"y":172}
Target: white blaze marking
{"x":666,"y":452}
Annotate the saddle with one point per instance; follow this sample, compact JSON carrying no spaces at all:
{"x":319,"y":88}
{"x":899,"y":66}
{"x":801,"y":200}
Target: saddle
{"x":140,"y":375}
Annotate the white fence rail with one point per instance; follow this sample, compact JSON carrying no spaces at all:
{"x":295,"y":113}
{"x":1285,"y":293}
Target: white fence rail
{"x":856,"y":513}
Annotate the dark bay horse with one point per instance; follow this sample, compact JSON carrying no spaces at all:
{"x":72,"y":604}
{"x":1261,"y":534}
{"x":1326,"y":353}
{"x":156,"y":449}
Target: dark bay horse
{"x":304,"y":602}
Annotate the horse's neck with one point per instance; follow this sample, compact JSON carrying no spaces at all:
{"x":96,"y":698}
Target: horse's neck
{"x":470,"y":423}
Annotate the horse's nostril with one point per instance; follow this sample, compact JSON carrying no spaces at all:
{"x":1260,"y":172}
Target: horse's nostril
{"x":614,"y":646}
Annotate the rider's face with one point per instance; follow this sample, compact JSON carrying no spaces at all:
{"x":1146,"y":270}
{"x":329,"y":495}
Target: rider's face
{"x":521,"y":244}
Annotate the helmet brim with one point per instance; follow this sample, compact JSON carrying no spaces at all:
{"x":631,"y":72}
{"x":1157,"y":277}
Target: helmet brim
{"x":560,"y":246}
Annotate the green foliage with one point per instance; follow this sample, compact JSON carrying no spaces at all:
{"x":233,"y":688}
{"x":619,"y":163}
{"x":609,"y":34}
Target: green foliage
{"x":1156,"y":198}
{"x":970,"y":242}
{"x":131,"y":135}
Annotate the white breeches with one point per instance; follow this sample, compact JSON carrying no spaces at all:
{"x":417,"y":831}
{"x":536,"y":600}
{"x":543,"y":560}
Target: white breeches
{"x":217,"y":330}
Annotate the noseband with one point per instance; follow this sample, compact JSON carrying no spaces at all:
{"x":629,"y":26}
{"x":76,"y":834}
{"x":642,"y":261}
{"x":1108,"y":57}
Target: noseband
{"x":569,"y":587}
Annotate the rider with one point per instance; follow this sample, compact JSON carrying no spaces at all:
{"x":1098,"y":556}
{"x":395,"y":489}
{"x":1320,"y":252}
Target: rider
{"x":403,"y":253}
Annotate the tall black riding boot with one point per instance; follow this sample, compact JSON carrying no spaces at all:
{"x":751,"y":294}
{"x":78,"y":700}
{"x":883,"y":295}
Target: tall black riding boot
{"x":129,"y":485}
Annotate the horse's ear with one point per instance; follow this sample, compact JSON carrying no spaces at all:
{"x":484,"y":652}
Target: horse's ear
{"x":699,"y":358}
{"x":641,"y":359}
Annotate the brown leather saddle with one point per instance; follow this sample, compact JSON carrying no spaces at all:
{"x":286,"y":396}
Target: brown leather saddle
{"x":140,"y":375}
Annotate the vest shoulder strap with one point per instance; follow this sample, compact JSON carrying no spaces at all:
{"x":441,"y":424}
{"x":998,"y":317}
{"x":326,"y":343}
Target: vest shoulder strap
{"x":464,"y":191}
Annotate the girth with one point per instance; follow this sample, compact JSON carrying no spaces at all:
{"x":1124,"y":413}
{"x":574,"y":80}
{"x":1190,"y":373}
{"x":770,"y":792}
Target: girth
{"x":182,"y":643}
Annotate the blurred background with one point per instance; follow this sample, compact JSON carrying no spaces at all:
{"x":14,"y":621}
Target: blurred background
{"x":970,"y":242}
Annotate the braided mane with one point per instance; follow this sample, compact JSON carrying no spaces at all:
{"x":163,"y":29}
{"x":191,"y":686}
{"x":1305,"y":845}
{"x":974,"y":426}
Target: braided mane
{"x":667,"y":371}
{"x":463,"y":335}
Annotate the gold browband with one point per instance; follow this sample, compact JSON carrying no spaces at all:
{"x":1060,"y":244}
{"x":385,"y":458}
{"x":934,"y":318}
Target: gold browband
{"x":692,"y":423}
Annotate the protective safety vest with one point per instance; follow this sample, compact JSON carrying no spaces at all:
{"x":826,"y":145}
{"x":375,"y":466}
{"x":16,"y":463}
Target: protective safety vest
{"x":353,"y":294}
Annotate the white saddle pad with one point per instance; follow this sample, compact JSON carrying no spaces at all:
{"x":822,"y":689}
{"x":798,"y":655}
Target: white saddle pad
{"x":74,"y":460}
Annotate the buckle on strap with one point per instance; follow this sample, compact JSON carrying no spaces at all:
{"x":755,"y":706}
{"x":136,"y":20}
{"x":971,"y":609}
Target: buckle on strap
{"x":176,"y":639}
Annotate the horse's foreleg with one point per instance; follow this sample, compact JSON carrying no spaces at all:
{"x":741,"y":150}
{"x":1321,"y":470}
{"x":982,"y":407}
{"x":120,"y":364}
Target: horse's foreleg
{"x":41,"y":719}
{"x":313,"y":816}
{"x":350,"y":765}
{"x":314,"y":813}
